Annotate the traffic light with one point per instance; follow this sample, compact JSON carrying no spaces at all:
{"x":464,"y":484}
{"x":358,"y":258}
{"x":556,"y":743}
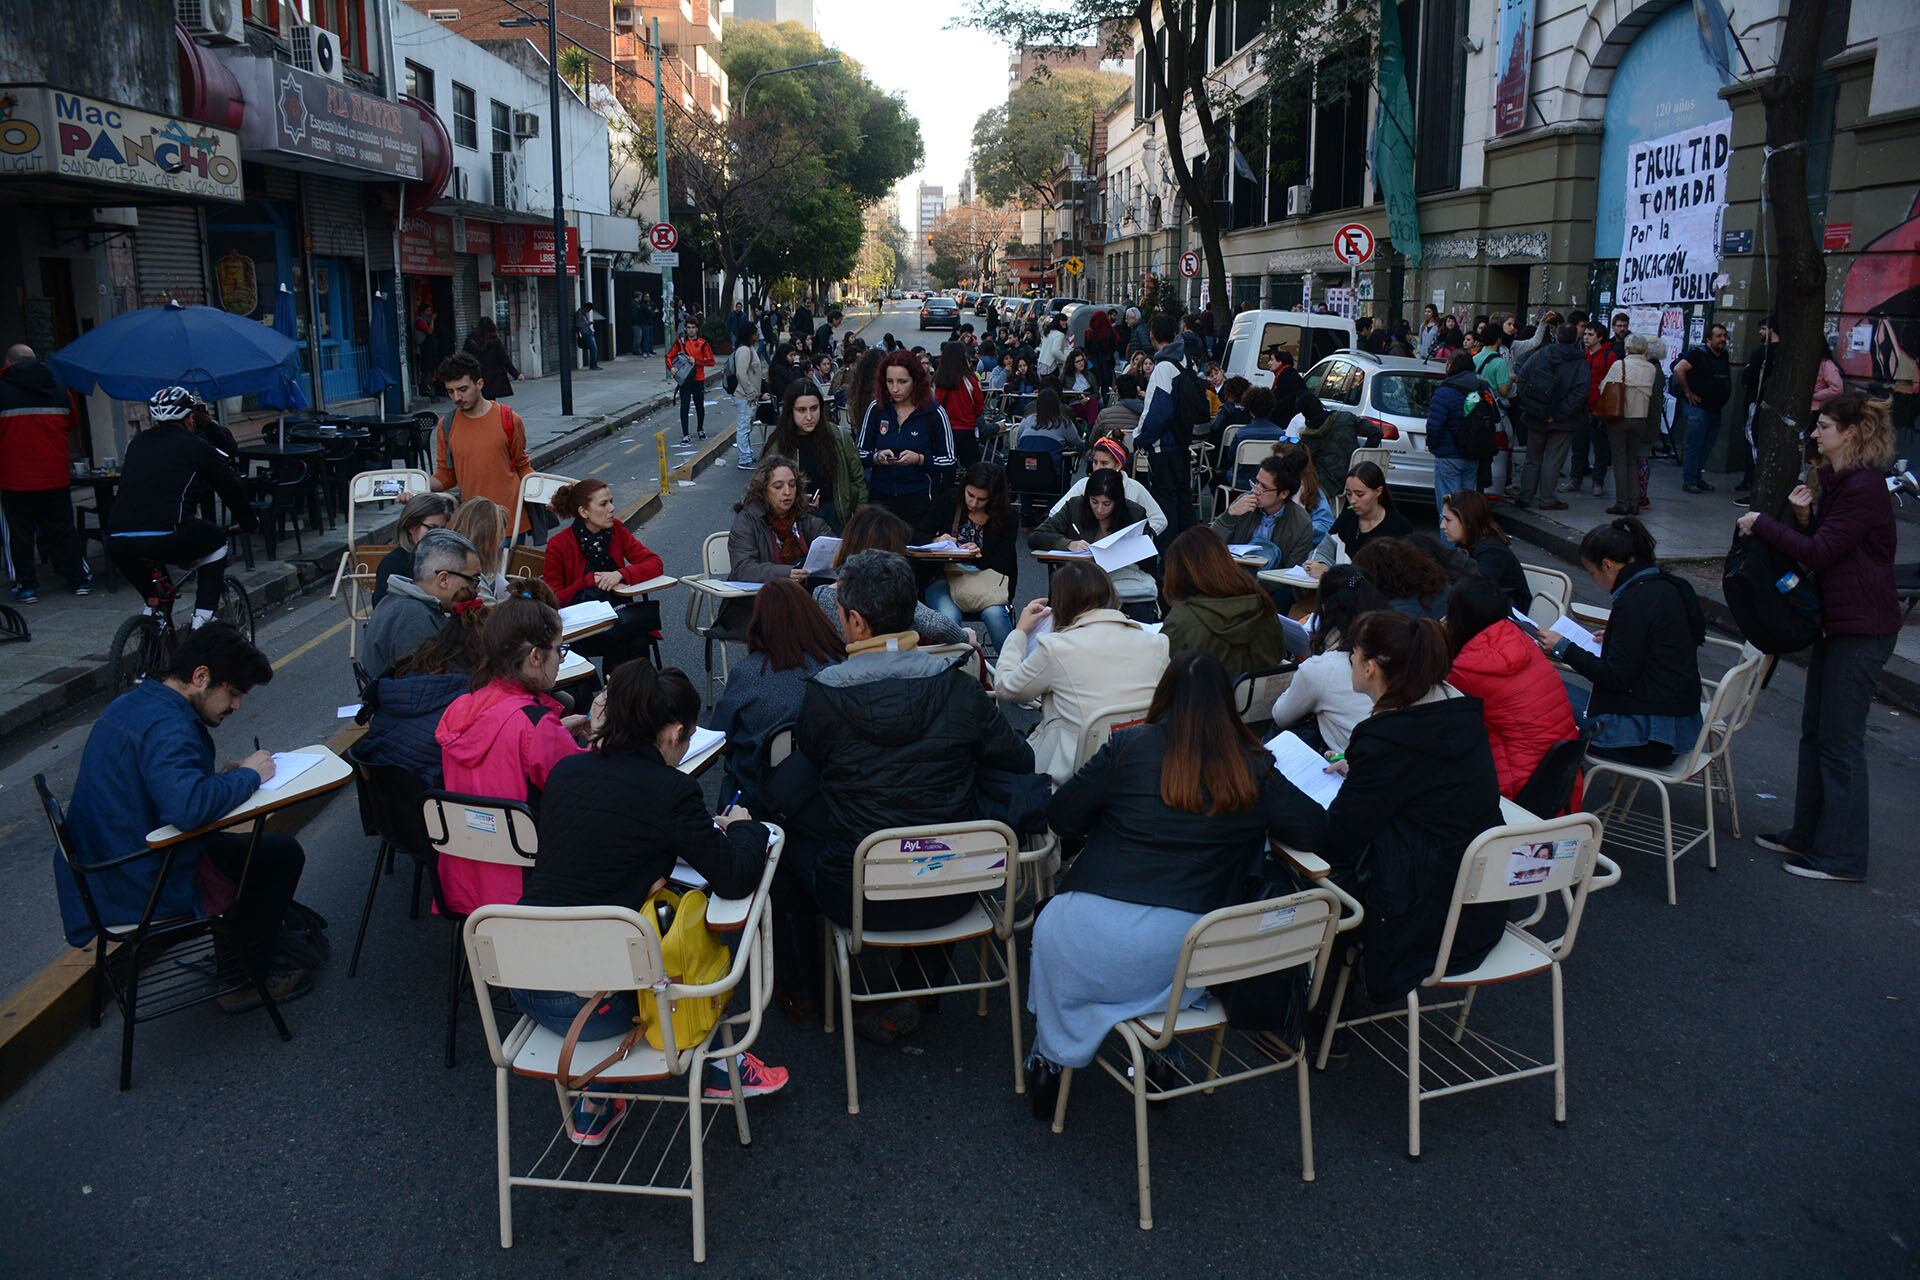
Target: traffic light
{"x":929,"y":239}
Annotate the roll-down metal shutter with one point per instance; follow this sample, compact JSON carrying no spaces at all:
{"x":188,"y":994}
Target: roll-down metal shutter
{"x":168,"y":255}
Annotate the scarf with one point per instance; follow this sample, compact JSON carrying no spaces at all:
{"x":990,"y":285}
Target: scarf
{"x":789,"y":547}
{"x":595,"y":548}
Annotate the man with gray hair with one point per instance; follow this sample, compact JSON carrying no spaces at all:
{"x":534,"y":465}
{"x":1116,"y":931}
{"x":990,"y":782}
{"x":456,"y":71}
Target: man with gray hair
{"x":1138,"y":338}
{"x":898,"y":738}
{"x":446,"y":571}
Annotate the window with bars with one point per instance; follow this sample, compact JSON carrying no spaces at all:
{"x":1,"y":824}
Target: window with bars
{"x":466,"y":122}
{"x":1438,"y":72}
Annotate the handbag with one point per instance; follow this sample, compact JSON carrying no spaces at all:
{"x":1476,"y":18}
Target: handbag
{"x":690,"y":955}
{"x":976,"y":589}
{"x":682,"y":369}
{"x":1612,"y":401}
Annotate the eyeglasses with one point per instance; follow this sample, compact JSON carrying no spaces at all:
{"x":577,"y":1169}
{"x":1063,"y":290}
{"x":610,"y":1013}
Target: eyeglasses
{"x":471,"y":579}
{"x":562,"y":650}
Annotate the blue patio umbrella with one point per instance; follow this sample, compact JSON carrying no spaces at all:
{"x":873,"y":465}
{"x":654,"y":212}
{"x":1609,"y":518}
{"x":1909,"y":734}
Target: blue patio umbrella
{"x":209,"y":351}
{"x":376,"y":379}
{"x":287,"y":395}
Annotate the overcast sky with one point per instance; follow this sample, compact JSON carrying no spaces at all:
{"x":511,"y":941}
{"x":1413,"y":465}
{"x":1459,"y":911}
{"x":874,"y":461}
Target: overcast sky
{"x":948,"y":77}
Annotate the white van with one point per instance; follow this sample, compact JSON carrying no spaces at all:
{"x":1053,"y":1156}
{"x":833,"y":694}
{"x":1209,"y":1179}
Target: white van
{"x":1310,"y":337}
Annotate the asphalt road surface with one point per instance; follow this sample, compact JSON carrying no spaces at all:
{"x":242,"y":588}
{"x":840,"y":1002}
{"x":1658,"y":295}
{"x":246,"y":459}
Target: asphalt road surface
{"x":1742,"y":1092}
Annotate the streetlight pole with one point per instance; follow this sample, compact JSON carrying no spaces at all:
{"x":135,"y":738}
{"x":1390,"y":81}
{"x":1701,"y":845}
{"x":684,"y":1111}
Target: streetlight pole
{"x":828,"y":61}
{"x":660,"y":169}
{"x":562,"y":314}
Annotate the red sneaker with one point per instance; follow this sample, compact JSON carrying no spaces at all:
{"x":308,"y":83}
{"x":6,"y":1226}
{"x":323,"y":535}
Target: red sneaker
{"x":757,"y":1079}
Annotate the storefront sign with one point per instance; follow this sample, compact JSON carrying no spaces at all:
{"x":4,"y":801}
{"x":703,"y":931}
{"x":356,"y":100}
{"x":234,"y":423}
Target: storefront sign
{"x":51,"y":133}
{"x":1516,"y":65}
{"x":426,"y":245}
{"x":1676,"y":195}
{"x":294,"y":113}
{"x":1836,"y":236}
{"x":470,"y":236}
{"x":521,"y":250}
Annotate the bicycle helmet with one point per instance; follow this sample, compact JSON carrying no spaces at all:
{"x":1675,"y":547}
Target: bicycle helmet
{"x":171,"y":404}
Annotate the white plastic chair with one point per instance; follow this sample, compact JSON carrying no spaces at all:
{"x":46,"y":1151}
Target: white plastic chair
{"x":359,"y":567}
{"x":1227,"y":945}
{"x":589,"y":949}
{"x":1246,"y":453}
{"x":939,"y":860}
{"x":1691,"y":767}
{"x":501,"y":833}
{"x":1552,"y":594}
{"x":1507,"y":863}
{"x":1720,"y":733}
{"x":536,"y":491}
{"x":1379,"y":457}
{"x":1102,"y":725}
{"x":705,"y":599}
{"x":975,"y":665}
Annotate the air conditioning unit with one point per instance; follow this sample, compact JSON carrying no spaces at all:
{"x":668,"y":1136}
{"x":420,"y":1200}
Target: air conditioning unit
{"x":507,"y":191}
{"x":1299,"y":201}
{"x":461,"y":188}
{"x":215,"y":21}
{"x":317,"y":50}
{"x":526,"y":124}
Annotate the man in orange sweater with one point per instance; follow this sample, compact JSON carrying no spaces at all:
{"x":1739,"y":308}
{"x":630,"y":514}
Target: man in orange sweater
{"x":481,"y":447}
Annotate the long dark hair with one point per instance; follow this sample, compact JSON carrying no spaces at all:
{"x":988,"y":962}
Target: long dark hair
{"x":951,"y":373}
{"x":786,"y":437}
{"x":1623,"y":540}
{"x":787,"y":627}
{"x":513,"y":629}
{"x":1102,"y":483}
{"x":1209,"y":764}
{"x":866,"y":373}
{"x":1476,"y":517}
{"x":1345,"y":594}
{"x":1198,"y":565}
{"x":1412,"y":651}
{"x":1078,"y":587}
{"x":640,"y":703}
{"x":1473,"y":605}
{"x":919,"y":393}
{"x":872,"y":528}
{"x":993,"y":478}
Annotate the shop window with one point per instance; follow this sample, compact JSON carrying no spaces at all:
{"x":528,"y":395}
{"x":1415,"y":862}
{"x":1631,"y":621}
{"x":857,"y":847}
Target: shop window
{"x":466,"y":123}
{"x":419,"y":82}
{"x":502,"y":125}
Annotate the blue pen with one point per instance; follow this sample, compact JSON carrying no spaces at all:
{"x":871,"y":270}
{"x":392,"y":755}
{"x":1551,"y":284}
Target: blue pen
{"x":728,"y":805}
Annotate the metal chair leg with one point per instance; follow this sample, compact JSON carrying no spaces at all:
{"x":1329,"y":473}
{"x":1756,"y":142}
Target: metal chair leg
{"x":456,"y":969}
{"x":381,"y":857}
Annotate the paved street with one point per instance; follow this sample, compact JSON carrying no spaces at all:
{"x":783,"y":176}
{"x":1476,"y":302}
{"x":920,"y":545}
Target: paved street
{"x":1742,"y":1098}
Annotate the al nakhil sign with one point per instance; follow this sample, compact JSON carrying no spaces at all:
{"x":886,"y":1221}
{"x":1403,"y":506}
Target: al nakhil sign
{"x":49,"y":133}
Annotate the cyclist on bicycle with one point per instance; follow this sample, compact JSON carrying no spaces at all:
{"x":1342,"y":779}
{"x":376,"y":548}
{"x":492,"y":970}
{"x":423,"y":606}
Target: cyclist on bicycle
{"x":150,"y":525}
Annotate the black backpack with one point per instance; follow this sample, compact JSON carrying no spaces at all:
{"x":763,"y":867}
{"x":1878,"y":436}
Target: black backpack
{"x":1480,"y":428}
{"x":1772,"y":600}
{"x":1189,"y":405}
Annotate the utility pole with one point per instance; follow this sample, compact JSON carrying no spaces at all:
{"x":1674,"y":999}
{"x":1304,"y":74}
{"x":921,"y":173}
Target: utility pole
{"x":562,"y":313}
{"x":660,"y":161}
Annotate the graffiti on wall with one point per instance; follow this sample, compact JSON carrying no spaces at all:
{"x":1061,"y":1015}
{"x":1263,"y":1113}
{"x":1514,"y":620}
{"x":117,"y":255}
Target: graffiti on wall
{"x":1879,"y":337}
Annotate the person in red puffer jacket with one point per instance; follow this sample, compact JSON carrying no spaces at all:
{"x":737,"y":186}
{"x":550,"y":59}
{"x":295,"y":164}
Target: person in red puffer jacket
{"x":36,"y":423}
{"x":1521,"y":696}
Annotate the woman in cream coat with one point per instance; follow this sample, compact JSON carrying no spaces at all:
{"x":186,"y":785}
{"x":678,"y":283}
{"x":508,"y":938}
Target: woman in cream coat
{"x":1088,"y":656}
{"x":1628,"y":435}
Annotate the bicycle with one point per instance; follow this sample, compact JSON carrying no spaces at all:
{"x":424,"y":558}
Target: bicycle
{"x":146,"y":641}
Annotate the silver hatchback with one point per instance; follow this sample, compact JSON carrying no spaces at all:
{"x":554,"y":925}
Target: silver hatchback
{"x":1390,"y":395}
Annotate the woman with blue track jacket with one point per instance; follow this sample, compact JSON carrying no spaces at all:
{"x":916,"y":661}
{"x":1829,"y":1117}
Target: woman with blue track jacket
{"x":907,"y":445}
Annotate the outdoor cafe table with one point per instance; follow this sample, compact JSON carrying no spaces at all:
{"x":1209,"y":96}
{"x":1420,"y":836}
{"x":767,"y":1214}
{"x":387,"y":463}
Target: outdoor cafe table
{"x":388,"y":427}
{"x":104,"y":485}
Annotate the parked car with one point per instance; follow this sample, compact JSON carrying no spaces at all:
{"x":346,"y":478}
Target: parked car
{"x":1309,"y":337}
{"x":984,"y":301}
{"x":939,"y":313}
{"x":1389,"y":394}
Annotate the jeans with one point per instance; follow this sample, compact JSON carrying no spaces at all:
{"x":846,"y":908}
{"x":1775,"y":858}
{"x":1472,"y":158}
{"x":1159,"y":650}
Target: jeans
{"x":1546,"y":454}
{"x":1450,"y":475}
{"x":693,"y":392}
{"x":998,"y":617}
{"x":743,"y":408}
{"x":1830,"y":791}
{"x":646,"y":339}
{"x":590,"y":348}
{"x":1700,"y":424}
{"x":266,"y":887}
{"x":555,"y":1010}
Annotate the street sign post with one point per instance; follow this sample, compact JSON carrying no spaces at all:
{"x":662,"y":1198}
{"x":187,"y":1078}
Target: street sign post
{"x":662,"y":237}
{"x":663,"y":258}
{"x":1074,"y":266}
{"x":1353,"y":244}
{"x":1189,"y":264}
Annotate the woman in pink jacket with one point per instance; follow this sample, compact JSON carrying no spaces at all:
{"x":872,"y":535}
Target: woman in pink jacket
{"x":1522,"y":699}
{"x":502,"y":739}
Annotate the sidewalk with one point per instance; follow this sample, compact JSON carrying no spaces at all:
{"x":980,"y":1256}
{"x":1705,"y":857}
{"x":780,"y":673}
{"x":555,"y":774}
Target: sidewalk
{"x":64,"y":662}
{"x":1693,"y":532}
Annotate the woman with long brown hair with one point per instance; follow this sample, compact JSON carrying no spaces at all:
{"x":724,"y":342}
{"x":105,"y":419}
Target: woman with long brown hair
{"x":836,"y":483}
{"x":1218,"y":607}
{"x":1175,"y":813}
{"x":787,"y":642}
{"x":423,"y":513}
{"x":591,"y":559}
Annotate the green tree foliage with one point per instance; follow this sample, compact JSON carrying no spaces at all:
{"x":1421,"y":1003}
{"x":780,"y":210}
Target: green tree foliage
{"x":1017,"y":145}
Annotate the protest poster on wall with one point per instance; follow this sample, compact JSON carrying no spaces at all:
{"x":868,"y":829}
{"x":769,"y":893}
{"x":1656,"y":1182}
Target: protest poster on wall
{"x":1676,"y":194}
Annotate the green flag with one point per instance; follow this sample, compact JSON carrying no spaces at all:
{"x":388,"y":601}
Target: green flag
{"x":1393,"y":139}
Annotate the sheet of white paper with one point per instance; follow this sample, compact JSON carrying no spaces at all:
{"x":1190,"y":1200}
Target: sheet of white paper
{"x":1043,"y":627}
{"x":703,"y":740}
{"x":1305,"y":768}
{"x":748,"y":587}
{"x":288,"y":765}
{"x":686,"y":875}
{"x":1522,"y":621}
{"x":1242,"y":548}
{"x":586,"y":614}
{"x":1154,"y":627}
{"x":931,"y":546}
{"x":1581,"y":637}
{"x":347,"y":712}
{"x":1123,"y":547}
{"x":820,"y":553}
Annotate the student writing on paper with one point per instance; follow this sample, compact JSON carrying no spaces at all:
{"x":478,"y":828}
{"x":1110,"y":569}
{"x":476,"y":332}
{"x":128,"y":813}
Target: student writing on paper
{"x":788,"y":641}
{"x":982,"y":518}
{"x":1218,"y":607}
{"x":504,"y":738}
{"x":1370,"y":514}
{"x":1101,"y":510}
{"x":1176,"y":814}
{"x":1420,"y":787}
{"x":1645,"y":703}
{"x":874,"y":528}
{"x":613,"y":820}
{"x":149,"y":763}
{"x":1093,"y":658}
{"x":592,"y":557}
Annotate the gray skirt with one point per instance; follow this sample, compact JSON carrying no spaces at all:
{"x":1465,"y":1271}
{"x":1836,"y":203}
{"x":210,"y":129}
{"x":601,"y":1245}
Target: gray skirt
{"x":1096,"y":963}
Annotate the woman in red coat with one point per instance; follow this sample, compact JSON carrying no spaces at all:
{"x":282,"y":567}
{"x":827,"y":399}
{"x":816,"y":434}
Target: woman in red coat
{"x":1522,"y":699}
{"x":592,"y":557}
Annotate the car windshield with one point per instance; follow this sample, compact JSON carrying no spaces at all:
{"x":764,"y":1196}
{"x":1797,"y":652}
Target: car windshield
{"x":939,"y":304}
{"x":1406,"y":394}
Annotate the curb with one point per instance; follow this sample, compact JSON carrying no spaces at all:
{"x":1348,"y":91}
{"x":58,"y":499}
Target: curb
{"x":1899,"y":679}
{"x":43,"y":1013}
{"x":282,"y":580}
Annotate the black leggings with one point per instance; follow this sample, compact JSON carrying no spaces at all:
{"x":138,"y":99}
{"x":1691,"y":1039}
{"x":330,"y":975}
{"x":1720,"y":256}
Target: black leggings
{"x":196,"y":544}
